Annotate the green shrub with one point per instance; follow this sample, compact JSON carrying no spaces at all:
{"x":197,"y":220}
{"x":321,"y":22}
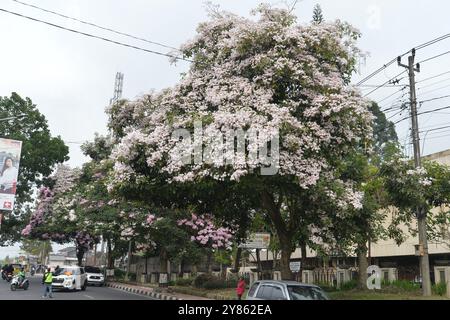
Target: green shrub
{"x":200,"y":280}
{"x":326,"y":287}
{"x":350,"y":285}
{"x":439,"y":289}
{"x":405,"y":285}
{"x":214,"y":284}
{"x":231,"y":283}
{"x":184,"y":282}
{"x":119,"y":273}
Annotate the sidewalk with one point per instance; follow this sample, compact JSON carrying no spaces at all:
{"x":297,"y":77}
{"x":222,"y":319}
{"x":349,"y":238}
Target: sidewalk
{"x":150,"y":291}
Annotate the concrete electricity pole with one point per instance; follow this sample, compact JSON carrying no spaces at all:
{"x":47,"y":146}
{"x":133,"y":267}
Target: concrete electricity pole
{"x":420,"y":212}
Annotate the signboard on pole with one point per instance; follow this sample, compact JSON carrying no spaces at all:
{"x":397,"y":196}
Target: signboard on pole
{"x":295,"y":266}
{"x":257,"y":241}
{"x":9,"y":171}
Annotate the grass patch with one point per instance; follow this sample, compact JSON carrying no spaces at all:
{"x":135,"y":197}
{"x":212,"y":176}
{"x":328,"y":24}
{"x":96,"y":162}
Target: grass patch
{"x":380,"y":295}
{"x":216,"y":294}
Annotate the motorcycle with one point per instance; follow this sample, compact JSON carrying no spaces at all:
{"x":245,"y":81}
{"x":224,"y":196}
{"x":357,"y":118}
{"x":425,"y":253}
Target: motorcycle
{"x":16,"y":285}
{"x":8,"y":277}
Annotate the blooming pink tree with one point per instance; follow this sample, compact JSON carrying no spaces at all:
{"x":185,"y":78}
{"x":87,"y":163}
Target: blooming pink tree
{"x":55,"y":217}
{"x":207,"y":235}
{"x":280,"y":85}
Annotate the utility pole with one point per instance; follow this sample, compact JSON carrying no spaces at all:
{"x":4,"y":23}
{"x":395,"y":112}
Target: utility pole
{"x":420,"y":212}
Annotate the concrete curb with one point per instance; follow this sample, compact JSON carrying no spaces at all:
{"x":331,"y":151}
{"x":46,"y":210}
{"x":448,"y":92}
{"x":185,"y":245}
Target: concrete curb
{"x":141,"y":291}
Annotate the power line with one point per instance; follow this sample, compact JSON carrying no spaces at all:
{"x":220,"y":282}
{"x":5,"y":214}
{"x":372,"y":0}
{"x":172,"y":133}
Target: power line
{"x":435,"y":129}
{"x":387,"y":82}
{"x":435,"y":57}
{"x":424,"y":112}
{"x":437,"y":89}
{"x":434,"y":83}
{"x":368,"y":86}
{"x":96,"y":37}
{"x":398,"y":91}
{"x":433,"y":77}
{"x":421,"y":46}
{"x":95,"y":25}
{"x":438,"y":137}
{"x":398,"y":113}
{"x":433,"y":99}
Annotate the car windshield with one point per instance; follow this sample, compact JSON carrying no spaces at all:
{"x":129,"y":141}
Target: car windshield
{"x":93,"y":270}
{"x":306,"y":293}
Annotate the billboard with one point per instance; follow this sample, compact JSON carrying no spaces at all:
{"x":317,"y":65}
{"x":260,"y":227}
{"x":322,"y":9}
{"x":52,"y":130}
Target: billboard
{"x":257,"y":241}
{"x":9,"y":171}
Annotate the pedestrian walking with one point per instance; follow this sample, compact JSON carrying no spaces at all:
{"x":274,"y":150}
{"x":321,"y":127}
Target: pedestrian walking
{"x":47,"y":281}
{"x":240,"y":288}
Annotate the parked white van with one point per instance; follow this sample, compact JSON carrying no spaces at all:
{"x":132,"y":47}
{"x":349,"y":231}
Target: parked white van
{"x":70,"y":278}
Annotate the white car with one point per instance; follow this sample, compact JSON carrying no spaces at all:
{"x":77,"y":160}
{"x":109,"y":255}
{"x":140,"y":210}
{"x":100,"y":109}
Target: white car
{"x":95,"y":276}
{"x":70,"y":278}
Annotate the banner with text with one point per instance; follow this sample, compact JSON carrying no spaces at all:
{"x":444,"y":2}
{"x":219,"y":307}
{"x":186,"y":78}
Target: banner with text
{"x":257,"y":241}
{"x":9,"y":171}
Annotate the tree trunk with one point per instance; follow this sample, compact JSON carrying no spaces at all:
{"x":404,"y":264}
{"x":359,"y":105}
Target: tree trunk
{"x":110,"y":257}
{"x":258,"y":261}
{"x":285,"y":235}
{"x":362,"y":265}
{"x":209,"y":262}
{"x":304,"y":261}
{"x":163,"y":268}
{"x":146,"y":263}
{"x":80,"y":255}
{"x":286,"y":273}
{"x":237,"y":261}
{"x":180,"y":272}
{"x":95,"y":254}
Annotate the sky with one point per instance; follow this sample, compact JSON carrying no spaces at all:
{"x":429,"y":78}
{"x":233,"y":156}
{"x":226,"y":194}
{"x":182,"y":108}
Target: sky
{"x":70,"y":77}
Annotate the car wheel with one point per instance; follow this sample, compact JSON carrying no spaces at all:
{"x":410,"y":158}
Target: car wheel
{"x":83,"y":288}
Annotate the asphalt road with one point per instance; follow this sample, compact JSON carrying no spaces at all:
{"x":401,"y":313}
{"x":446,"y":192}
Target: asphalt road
{"x":35,"y":291}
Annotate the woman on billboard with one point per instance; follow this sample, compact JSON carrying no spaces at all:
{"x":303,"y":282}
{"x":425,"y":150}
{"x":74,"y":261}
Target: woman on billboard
{"x":8,"y":178}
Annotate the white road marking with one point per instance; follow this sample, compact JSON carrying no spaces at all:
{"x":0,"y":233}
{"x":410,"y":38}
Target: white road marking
{"x":89,"y":297}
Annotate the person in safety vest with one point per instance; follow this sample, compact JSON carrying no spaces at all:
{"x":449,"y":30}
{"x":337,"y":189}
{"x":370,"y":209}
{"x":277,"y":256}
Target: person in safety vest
{"x":21,"y":275}
{"x":47,"y":281}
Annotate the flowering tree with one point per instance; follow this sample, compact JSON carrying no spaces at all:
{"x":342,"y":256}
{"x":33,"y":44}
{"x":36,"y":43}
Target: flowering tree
{"x":207,"y":235}
{"x":55,"y":215}
{"x":410,"y":188}
{"x":287,"y":82}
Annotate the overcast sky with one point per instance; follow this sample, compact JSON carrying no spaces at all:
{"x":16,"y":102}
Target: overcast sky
{"x":71,"y":77}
